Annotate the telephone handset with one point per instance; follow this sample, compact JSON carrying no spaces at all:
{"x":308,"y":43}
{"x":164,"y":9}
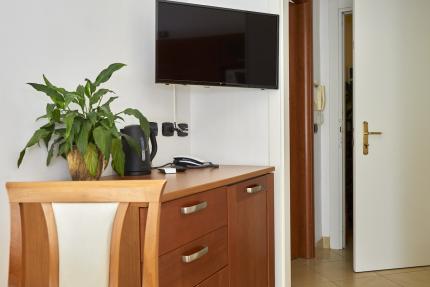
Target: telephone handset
{"x":192,"y":162}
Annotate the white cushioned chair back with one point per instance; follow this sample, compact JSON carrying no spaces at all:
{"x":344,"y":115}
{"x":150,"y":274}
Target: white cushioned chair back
{"x":84,"y":236}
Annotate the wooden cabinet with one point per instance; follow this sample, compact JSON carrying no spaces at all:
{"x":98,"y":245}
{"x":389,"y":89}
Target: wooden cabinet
{"x":224,"y":228}
{"x":250,"y":228}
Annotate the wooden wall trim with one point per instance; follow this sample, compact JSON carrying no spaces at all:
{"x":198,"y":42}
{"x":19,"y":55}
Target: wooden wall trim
{"x":301,"y":130}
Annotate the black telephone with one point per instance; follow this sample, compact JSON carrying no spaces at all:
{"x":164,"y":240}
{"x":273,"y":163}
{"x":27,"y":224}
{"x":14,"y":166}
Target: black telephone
{"x":192,"y":162}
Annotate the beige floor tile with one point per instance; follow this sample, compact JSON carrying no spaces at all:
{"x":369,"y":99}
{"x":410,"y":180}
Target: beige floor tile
{"x":375,"y":281}
{"x":310,"y":280}
{"x":411,"y":279}
{"x":327,"y":255}
{"x":404,"y":270}
{"x":315,"y":284}
{"x":302,"y":270}
{"x":346,"y":254}
{"x":339,"y":270}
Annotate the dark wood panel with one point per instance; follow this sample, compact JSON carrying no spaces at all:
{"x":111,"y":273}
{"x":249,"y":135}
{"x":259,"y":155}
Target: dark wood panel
{"x":301,"y":130}
{"x":248,"y":230}
{"x":175,"y":273}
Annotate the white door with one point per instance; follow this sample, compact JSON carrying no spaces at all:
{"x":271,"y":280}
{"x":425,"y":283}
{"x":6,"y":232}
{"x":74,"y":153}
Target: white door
{"x":392,"y":93}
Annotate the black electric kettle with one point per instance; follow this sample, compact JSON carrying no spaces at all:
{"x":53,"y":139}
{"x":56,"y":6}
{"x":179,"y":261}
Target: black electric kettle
{"x":134,"y":163}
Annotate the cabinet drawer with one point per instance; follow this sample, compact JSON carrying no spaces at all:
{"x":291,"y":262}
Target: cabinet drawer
{"x":191,"y":264}
{"x":188,"y":218}
{"x":219,"y":279}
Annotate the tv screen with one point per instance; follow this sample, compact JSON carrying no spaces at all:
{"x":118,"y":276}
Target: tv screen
{"x":202,"y":45}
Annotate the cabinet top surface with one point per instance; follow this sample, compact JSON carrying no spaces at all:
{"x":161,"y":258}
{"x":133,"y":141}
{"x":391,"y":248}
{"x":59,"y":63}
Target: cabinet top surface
{"x":198,"y":180}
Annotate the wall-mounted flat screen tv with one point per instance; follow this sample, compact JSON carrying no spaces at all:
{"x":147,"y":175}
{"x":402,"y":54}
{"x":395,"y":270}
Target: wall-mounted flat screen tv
{"x":201,"y":45}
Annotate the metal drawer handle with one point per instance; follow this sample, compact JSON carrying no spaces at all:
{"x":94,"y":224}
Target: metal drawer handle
{"x":195,"y":256}
{"x":195,"y":208}
{"x":254,"y":189}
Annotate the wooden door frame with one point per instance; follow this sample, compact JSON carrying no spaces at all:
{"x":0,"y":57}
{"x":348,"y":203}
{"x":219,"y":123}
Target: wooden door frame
{"x":301,"y":129}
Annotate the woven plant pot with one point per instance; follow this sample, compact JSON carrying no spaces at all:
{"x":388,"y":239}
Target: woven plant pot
{"x":77,"y":168}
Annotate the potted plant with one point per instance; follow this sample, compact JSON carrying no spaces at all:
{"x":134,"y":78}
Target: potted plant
{"x":82,"y":128}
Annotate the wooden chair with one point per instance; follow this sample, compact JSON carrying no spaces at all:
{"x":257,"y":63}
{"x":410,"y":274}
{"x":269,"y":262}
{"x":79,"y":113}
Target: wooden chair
{"x":47,"y":247}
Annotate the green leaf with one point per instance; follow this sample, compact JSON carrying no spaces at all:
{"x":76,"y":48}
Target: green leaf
{"x":51,"y":150}
{"x":80,"y":90}
{"x":115,"y":132}
{"x":98,"y":95}
{"x":88,"y":89}
{"x":60,"y":132}
{"x":74,"y":134}
{"x":70,"y":97}
{"x":59,"y":90}
{"x":49,"y":108}
{"x":106,"y":124}
{"x":21,"y":157}
{"x":50,"y":127}
{"x":68,"y":121}
{"x":92,"y":86}
{"x":103,"y":140}
{"x":144,"y":124}
{"x":106,"y":112}
{"x":108,"y":102}
{"x":80,"y":99}
{"x":46,"y":81}
{"x":133,"y":143}
{"x":56,"y":115}
{"x":91,"y":158}
{"x":119,"y":118}
{"x":50,"y":155}
{"x":52,"y":113}
{"x":55,"y":96}
{"x":82,"y":142}
{"x":118,"y":157}
{"x":64,"y":149}
{"x":92,"y":117}
{"x":36,"y":138}
{"x":105,"y":75}
{"x":42,"y":117}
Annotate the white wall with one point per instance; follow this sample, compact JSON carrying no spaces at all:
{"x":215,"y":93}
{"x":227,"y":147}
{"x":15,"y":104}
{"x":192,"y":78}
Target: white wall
{"x":68,"y":41}
{"x":71,"y":40}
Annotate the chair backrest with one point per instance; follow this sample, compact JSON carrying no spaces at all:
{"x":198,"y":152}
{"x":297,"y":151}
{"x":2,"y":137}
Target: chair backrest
{"x":80,"y":225}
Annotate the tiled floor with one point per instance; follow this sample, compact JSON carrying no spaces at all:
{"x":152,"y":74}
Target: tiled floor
{"x":333,"y":268}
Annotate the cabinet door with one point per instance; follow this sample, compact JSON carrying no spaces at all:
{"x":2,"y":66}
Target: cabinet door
{"x":251,"y":233}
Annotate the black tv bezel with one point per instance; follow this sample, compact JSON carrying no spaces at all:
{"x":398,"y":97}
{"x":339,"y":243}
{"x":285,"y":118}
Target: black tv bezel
{"x":214,"y":84}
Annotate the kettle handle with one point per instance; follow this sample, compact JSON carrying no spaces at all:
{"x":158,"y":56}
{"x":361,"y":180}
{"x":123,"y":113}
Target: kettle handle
{"x":154,"y":147}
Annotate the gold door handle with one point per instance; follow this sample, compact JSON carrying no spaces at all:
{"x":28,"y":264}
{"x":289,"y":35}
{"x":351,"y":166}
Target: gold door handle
{"x":372,"y":133}
{"x":366,"y":135}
